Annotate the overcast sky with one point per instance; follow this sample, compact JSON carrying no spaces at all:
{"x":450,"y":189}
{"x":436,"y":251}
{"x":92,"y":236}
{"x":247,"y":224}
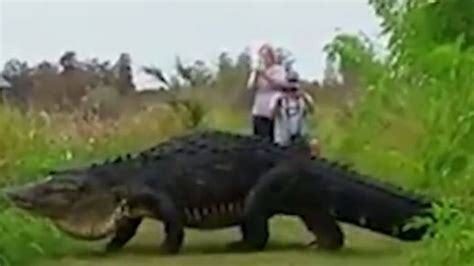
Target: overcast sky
{"x":154,"y":32}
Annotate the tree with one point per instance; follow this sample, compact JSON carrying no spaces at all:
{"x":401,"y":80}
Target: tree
{"x":352,"y":58}
{"x":123,"y":74}
{"x":68,"y":61}
{"x":244,"y":60}
{"x":17,"y":73}
{"x":45,"y":68}
{"x":225,"y":63}
{"x":196,"y":74}
{"x":102,"y":71}
{"x":14,"y":69}
{"x":183,"y":72}
{"x":332,"y":76}
{"x":156,"y":72}
{"x":417,"y":26}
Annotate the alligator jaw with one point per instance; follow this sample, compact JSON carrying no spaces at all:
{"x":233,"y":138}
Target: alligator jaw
{"x":19,"y":201}
{"x":98,"y":231}
{"x":87,"y":233}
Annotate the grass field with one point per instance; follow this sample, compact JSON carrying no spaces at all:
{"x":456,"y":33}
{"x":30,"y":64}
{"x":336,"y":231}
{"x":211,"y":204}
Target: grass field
{"x":286,"y":247}
{"x":288,"y":236}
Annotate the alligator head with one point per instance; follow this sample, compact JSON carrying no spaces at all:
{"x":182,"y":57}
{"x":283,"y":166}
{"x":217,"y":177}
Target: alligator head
{"x":77,"y":202}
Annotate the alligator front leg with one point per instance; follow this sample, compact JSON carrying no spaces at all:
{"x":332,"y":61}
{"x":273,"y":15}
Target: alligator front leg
{"x":126,"y":229}
{"x":162,"y":208}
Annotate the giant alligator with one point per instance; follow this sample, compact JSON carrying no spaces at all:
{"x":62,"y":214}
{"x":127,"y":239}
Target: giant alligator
{"x":213,"y":179}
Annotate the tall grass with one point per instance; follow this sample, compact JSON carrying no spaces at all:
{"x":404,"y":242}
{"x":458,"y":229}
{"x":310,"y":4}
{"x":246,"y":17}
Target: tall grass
{"x":32,"y":144}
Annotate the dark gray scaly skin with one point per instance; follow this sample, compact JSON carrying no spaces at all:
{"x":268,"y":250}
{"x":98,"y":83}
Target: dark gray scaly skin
{"x":211,"y":180}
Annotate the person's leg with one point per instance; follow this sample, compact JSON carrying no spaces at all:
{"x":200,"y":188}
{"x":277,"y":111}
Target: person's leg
{"x":257,"y":127}
{"x":263,"y":126}
{"x":279,"y":132}
{"x":271,"y":129}
{"x":268,"y":128}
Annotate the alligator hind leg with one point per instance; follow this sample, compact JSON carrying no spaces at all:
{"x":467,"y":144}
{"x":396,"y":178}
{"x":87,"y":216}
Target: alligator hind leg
{"x":261,"y":204}
{"x":328,"y":233}
{"x":126,"y":229}
{"x":288,"y":188}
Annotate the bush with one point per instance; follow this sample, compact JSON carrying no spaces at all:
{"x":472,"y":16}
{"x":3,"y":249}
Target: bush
{"x":415,"y":119}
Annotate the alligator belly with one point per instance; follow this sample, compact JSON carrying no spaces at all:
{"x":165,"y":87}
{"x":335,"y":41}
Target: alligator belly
{"x":211,"y":218}
{"x":213,"y":223}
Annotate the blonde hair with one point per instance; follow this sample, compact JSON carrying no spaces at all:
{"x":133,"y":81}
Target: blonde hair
{"x":266,"y":51}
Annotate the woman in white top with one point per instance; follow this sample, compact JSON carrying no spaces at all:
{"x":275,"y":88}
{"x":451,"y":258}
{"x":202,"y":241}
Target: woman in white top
{"x":269,"y":80}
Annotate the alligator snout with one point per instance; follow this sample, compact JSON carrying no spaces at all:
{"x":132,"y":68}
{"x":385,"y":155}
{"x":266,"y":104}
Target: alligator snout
{"x":19,"y":198}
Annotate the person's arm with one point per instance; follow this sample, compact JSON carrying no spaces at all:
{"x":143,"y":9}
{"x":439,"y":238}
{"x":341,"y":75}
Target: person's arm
{"x":256,"y":67}
{"x":275,"y":104}
{"x":309,"y":102}
{"x":277,"y":78}
{"x":252,"y":80}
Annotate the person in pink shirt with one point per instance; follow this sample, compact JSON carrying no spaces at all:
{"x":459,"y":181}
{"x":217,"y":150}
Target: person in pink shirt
{"x":268,"y":81}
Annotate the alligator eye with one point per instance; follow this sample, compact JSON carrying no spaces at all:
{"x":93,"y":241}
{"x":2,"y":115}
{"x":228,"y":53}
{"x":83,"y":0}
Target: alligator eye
{"x":52,"y":172}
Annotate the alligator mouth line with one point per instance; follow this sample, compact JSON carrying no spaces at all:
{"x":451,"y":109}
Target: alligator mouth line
{"x":21,"y":202}
{"x":24,"y":204}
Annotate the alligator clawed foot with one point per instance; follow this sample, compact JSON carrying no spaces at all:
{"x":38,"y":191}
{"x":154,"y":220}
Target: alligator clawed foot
{"x":112,"y":247}
{"x":313,"y":244}
{"x":240,"y":246}
{"x":237,"y":246}
{"x":323,"y":246}
{"x":168,"y":250}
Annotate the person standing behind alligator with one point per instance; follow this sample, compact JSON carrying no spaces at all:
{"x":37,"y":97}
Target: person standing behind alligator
{"x":268,"y":79}
{"x":290,"y":108}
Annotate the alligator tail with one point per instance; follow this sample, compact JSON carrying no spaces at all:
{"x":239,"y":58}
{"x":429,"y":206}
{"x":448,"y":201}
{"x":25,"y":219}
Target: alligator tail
{"x":369,"y":204}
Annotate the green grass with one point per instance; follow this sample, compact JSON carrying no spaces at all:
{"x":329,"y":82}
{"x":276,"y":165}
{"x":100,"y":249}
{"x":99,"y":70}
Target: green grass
{"x":24,"y":238}
{"x":286,"y":247}
{"x":32,"y":144}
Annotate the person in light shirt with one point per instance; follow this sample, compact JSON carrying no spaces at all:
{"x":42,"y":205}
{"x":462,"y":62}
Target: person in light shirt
{"x":290,"y":108}
{"x":268,"y":79}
